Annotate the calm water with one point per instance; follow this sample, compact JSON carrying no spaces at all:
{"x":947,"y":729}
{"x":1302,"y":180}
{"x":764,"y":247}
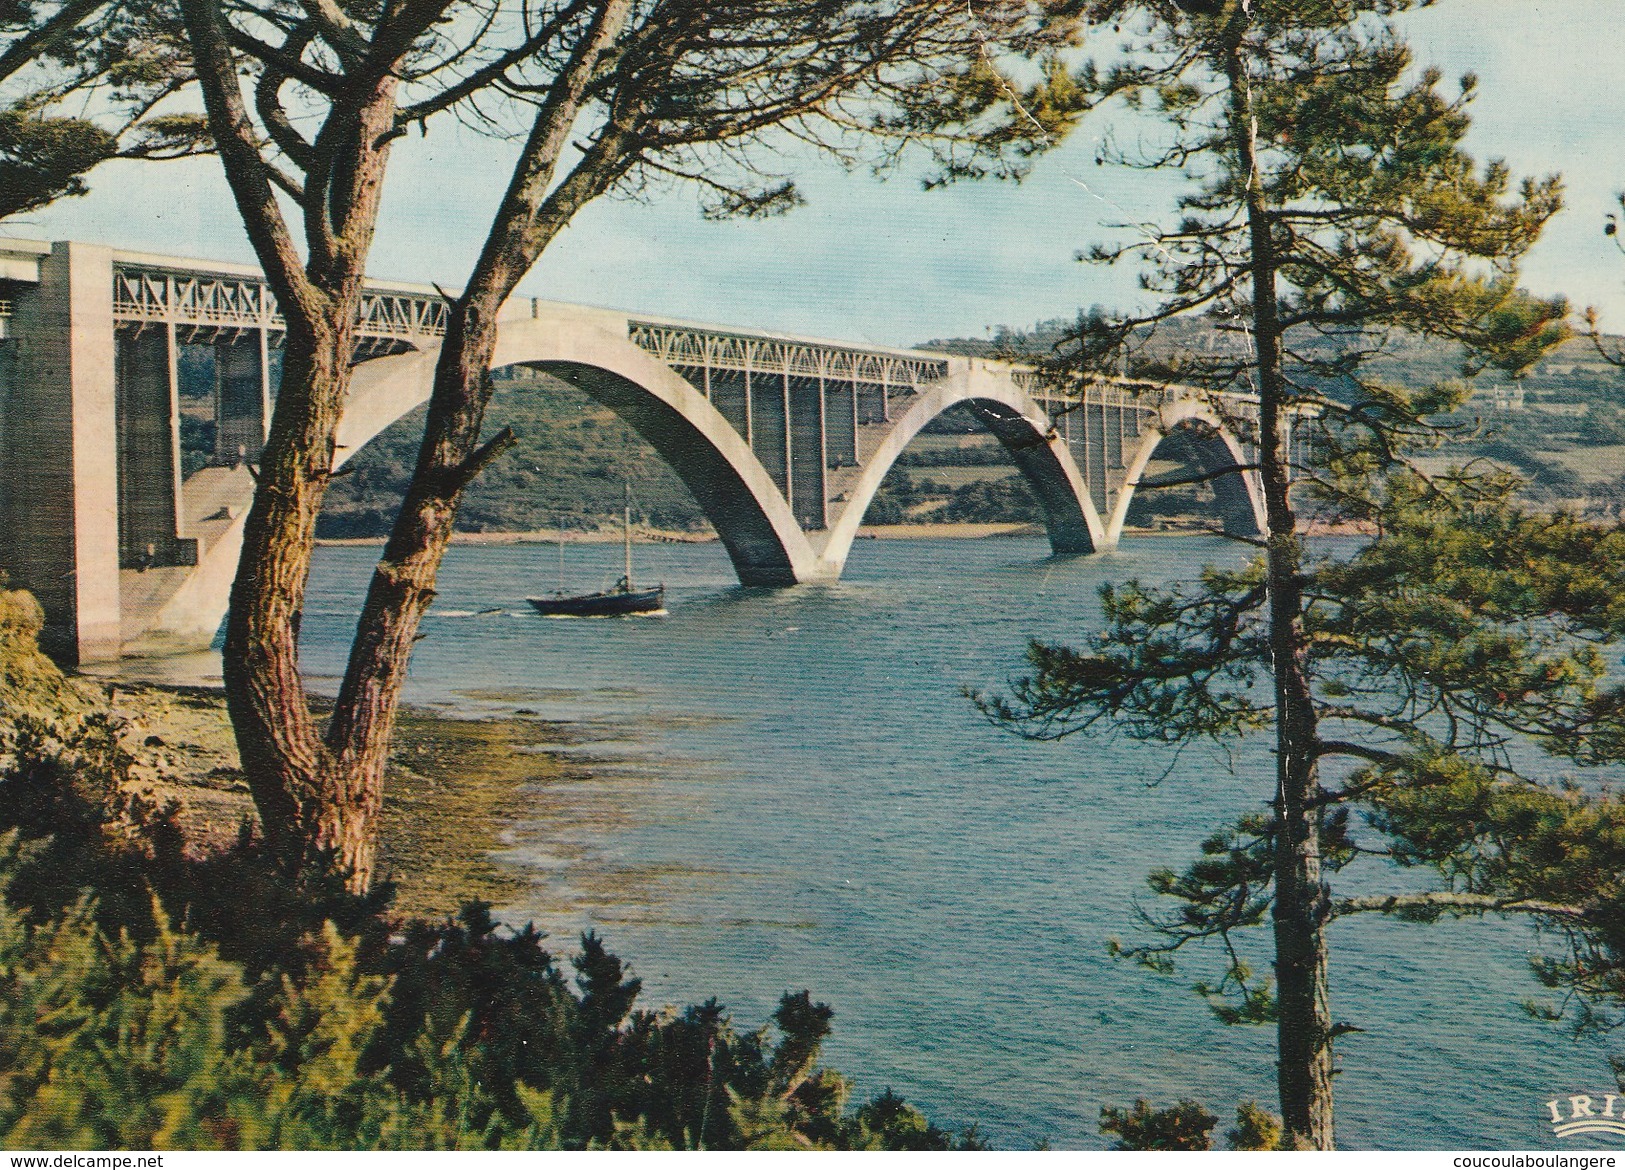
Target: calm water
{"x":794,"y":794}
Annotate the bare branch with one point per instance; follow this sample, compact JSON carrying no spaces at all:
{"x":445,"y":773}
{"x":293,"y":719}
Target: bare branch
{"x":470,"y":468}
{"x":1187,"y":480}
{"x":246,"y":170}
{"x":336,"y":28}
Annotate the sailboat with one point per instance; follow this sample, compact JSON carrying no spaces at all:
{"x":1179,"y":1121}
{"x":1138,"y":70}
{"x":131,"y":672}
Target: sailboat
{"x":622,"y":599}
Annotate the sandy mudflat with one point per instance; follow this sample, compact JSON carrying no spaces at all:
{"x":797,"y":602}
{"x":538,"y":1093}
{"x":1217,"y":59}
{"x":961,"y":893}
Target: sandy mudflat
{"x":455,"y":787}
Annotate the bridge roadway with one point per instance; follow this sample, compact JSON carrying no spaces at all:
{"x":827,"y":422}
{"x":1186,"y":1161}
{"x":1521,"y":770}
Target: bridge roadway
{"x":782,"y":440}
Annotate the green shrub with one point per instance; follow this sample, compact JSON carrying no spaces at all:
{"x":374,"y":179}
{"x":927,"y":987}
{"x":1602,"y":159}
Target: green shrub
{"x":110,"y":1043}
{"x":155,"y":997}
{"x":1185,"y":1126}
{"x":1188,"y":1126}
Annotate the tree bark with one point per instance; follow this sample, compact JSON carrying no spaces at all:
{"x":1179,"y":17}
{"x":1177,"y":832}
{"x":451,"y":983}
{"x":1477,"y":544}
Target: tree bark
{"x":402,"y":586}
{"x":282,"y":756}
{"x":314,"y":816}
{"x":1302,"y":903}
{"x":313,"y":812}
{"x":402,"y":589}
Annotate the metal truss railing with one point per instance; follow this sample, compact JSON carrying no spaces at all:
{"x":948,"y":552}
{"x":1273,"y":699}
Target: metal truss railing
{"x":210,"y":301}
{"x":1133,"y":394}
{"x":693,"y":348}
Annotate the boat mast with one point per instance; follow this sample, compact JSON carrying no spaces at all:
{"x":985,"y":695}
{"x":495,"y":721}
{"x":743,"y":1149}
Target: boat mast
{"x":626,"y":529}
{"x":561,"y":554}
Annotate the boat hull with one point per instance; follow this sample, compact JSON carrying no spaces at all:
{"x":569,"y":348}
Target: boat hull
{"x":616,"y":603}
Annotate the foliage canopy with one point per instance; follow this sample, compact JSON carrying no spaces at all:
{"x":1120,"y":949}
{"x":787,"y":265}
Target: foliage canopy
{"x":1330,"y":207}
{"x":82,"y":82}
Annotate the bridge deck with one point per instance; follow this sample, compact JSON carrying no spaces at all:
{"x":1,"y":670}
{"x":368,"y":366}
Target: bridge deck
{"x":207,"y":298}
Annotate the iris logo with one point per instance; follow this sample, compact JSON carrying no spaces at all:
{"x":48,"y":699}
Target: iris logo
{"x":1573,"y":1116}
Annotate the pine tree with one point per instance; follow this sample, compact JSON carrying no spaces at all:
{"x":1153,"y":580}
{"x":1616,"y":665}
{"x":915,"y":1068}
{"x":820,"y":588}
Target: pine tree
{"x":1331,"y":203}
{"x":82,"y":82}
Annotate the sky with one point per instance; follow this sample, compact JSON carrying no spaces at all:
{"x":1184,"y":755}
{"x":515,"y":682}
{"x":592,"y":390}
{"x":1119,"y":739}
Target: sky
{"x":887,"y":262}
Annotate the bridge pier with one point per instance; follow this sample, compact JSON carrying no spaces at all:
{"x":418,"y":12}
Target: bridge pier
{"x":149,"y":452}
{"x":242,"y":396}
{"x":95,"y":519}
{"x":59,"y":531}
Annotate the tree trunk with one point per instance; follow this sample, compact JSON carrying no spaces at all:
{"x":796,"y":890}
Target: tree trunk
{"x":1302,"y":902}
{"x":308,"y":812}
{"x":403,"y":583}
{"x":315,"y":810}
{"x":532,"y":212}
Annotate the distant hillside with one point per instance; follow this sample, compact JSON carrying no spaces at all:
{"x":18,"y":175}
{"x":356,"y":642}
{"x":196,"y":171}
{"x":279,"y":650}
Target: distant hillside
{"x":571,"y":460}
{"x":1567,"y":436}
{"x":1563,"y":427}
{"x":573,"y":456}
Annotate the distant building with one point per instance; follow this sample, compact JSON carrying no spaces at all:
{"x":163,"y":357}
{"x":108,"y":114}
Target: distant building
{"x":1506,"y":399}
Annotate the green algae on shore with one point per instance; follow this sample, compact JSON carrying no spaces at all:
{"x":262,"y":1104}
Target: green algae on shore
{"x":454,"y":787}
{"x":504,"y":807}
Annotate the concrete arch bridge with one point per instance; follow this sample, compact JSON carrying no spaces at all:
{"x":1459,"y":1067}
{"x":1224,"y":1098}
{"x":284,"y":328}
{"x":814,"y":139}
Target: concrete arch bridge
{"x":783,"y":441}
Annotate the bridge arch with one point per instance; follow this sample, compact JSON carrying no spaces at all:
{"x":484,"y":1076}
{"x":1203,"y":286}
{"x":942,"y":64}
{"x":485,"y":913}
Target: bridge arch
{"x":590,"y":350}
{"x":1026,"y":432}
{"x":1237,"y":495}
{"x":732,"y":488}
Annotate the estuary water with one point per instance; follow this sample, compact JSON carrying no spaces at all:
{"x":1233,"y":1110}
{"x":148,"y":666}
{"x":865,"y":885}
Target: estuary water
{"x":786,"y":789}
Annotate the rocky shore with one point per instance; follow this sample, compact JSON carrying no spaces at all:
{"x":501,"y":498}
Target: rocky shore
{"x":645,"y":535}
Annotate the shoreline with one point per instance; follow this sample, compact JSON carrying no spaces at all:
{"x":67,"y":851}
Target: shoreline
{"x":958,"y":530}
{"x":463,"y":789}
{"x":458,"y":788}
{"x":945,"y":531}
{"x":539,"y":536}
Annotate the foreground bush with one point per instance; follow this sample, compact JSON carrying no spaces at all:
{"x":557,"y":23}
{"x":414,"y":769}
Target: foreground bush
{"x":1187,"y":1126}
{"x":152,"y":996}
{"x":109,"y":1043}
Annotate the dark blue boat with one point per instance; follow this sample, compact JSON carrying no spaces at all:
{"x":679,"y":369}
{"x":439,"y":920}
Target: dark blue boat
{"x":622,"y":600}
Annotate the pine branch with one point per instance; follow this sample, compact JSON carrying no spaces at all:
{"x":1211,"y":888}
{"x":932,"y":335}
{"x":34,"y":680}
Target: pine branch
{"x":43,"y":37}
{"x":1444,"y":902}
